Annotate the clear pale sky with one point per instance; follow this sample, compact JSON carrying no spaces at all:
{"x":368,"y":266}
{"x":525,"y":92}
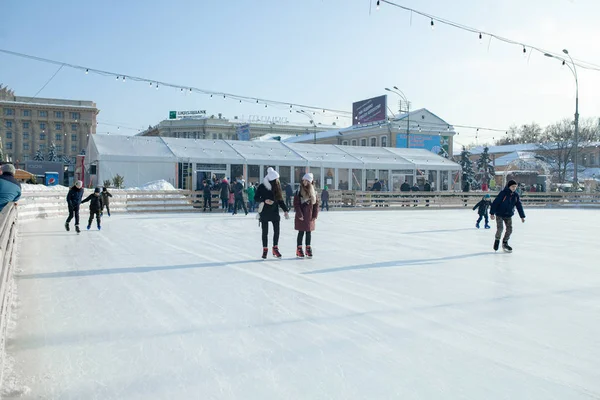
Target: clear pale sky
{"x":326,"y":53}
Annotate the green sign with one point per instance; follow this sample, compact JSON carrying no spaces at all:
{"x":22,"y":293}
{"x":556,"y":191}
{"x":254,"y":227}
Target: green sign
{"x":172,"y":114}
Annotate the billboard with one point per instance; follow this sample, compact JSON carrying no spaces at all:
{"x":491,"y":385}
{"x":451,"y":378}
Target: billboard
{"x":243,"y":132}
{"x":370,"y":110}
{"x":187,"y":114}
{"x":428,"y":142}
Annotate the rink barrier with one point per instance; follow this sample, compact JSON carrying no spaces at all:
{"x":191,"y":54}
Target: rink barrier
{"x":8,"y":235}
{"x":53,"y":204}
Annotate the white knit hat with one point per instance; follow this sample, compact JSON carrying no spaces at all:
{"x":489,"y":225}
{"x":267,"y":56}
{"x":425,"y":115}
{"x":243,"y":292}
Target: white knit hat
{"x":272,"y":174}
{"x":308,"y":177}
{"x":79,"y":184}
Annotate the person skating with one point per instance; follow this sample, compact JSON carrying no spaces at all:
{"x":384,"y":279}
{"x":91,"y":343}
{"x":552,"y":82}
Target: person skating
{"x":206,"y":196}
{"x":73,"y":202}
{"x":95,"y":206}
{"x":307,"y":210}
{"x":238,"y":192}
{"x":483,"y":207}
{"x":224,"y":194}
{"x":269,"y":193}
{"x":251,"y":191}
{"x":503,"y":207}
{"x":289,"y":195}
{"x":325,"y":198}
{"x":105,"y":201}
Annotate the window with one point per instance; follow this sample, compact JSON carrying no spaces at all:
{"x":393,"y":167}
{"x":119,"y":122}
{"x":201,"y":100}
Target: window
{"x":363,"y":142}
{"x":43,"y":126}
{"x":8,"y":124}
{"x":214,"y":135}
{"x":25,"y":135}
{"x":74,"y":127}
{"x":25,"y":157}
{"x":58,"y":137}
{"x":59,"y":149}
{"x":73,"y":138}
{"x":59,"y":114}
{"x":74,"y":149}
{"x":353,"y":142}
{"x":8,"y":145}
{"x":42,"y":147}
{"x":373,"y":142}
{"x":58,"y":127}
{"x":25,"y":125}
{"x":345,"y":143}
{"x":42,"y":136}
{"x":74,"y":115}
{"x":384,"y":141}
{"x":27,"y":113}
{"x":25,"y":146}
{"x":9,"y":135}
{"x":9,"y":111}
{"x":43,"y":114}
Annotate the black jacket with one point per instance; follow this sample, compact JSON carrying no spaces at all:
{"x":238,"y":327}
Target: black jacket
{"x":289,"y":192}
{"x":74,"y":197}
{"x":106,"y":197}
{"x":483,"y":205}
{"x":415,"y":188}
{"x":206,"y":190}
{"x":238,"y":190}
{"x":95,"y":202}
{"x":405,"y":187}
{"x":224,"y":190}
{"x":427,"y":187}
{"x":505,"y":203}
{"x":377,"y":186}
{"x":269,"y":212}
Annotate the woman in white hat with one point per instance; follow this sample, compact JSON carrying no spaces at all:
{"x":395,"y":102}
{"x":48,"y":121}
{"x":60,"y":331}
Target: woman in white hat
{"x":270,"y":195}
{"x":307,"y":208}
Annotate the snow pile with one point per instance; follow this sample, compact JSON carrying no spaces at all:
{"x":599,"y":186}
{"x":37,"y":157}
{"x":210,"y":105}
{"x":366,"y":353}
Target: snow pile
{"x":155,"y":186}
{"x":27,"y":187}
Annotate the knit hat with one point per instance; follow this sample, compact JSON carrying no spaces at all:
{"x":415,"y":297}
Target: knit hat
{"x":8,"y":168}
{"x":104,"y":189}
{"x":308,"y":177}
{"x":510,"y":183}
{"x":78,"y":184}
{"x":487,"y":196}
{"x":97,"y":190}
{"x":272,"y":174}
{"x":326,"y":187}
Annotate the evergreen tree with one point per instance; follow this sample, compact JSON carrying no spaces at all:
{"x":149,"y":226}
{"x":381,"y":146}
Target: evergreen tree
{"x":39,"y":156}
{"x":467,"y":168}
{"x":485,"y":168}
{"x":52,"y":155}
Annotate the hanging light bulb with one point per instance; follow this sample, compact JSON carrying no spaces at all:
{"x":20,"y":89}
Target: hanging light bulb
{"x":223,"y":96}
{"x":117,"y":77}
{"x":181,"y":90}
{"x":150,"y":84}
{"x":524,"y":50}
{"x":123,"y":79}
{"x":211,"y":96}
{"x":480,"y":36}
{"x":377,"y":5}
{"x":256,"y":101}
{"x":432,"y":25}
{"x":157,"y":86}
{"x":190,"y":90}
{"x":86,"y":71}
{"x":265,"y":106}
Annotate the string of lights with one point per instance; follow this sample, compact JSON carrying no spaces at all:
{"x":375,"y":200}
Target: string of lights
{"x":433,"y":19}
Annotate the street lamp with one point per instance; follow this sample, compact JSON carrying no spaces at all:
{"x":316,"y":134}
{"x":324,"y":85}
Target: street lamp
{"x":403,"y":97}
{"x":307,"y":114}
{"x":575,"y":150}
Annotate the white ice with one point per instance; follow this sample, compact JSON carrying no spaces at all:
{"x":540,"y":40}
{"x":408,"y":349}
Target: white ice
{"x":400,"y":304}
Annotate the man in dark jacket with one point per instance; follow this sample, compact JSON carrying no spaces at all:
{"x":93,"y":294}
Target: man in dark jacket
{"x":74,"y":201}
{"x":105,"y":201}
{"x":224,"y":194}
{"x":504,"y":208}
{"x":238,"y":192}
{"x":95,"y":206}
{"x":427,"y":187}
{"x":289,"y":195}
{"x":376,"y":186}
{"x":325,"y":199}
{"x":206,"y":196}
{"x":10,"y":188}
{"x":405,"y":187}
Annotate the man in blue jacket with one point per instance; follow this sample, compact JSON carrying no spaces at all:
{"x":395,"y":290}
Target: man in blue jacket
{"x":74,"y":201}
{"x":504,"y":208}
{"x":10,"y":188}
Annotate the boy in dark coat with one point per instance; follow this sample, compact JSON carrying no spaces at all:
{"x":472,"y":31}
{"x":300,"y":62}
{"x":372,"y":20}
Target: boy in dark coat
{"x":206,"y":196}
{"x":74,"y":201}
{"x":483,"y":207}
{"x":95,"y":206}
{"x":504,"y":208}
{"x":307,"y":210}
{"x":105,"y":201}
{"x":269,"y":193}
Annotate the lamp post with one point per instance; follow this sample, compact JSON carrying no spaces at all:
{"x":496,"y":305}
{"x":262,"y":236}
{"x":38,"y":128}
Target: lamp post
{"x":307,"y":114}
{"x":576,"y":148}
{"x":403,"y":97}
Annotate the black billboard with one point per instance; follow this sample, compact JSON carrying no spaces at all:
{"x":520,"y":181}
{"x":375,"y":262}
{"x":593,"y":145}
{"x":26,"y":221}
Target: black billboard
{"x":370,"y":110}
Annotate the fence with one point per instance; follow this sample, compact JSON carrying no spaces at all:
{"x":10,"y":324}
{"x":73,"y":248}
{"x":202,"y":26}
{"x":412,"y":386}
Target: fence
{"x":8,"y":235}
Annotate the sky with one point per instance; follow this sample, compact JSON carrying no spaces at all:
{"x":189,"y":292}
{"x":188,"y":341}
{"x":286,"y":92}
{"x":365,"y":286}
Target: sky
{"x":326,"y":53}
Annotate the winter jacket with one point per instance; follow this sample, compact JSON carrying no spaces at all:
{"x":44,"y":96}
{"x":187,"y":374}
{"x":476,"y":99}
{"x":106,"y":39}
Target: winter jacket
{"x":95,"y":202}
{"x":251,"y":191}
{"x":289,"y":192}
{"x":238,"y":191}
{"x":206,"y":190}
{"x":270,"y":212}
{"x":307,"y":211}
{"x":325,"y":195}
{"x":405,"y":187}
{"x":224,"y":190}
{"x":505,"y":203}
{"x":10,"y":189}
{"x":106,"y":197}
{"x":483,"y":205}
{"x":427,"y":187}
{"x":377,"y":186}
{"x":414,"y":188}
{"x":74,"y":197}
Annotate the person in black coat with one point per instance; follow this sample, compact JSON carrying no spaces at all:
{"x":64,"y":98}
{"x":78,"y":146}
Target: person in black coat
{"x":405,"y":187}
{"x":105,"y":201}
{"x":270,"y":198}
{"x":224,"y":195}
{"x":95,"y":207}
{"x":73,"y":202}
{"x":483,"y":207}
{"x":427,"y":187}
{"x":289,"y":195}
{"x":503,"y":207}
{"x":206,"y":196}
{"x":238,"y":193}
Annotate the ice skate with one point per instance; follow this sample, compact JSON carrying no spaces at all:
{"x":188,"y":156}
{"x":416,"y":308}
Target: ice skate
{"x":299,"y":252}
{"x":496,"y":244}
{"x":309,"y":252}
{"x":487,"y":226}
{"x":77,"y":229}
{"x":477,"y":225}
{"x":265,"y":252}
{"x":506,"y":247}
{"x":88,"y":227}
{"x":67,"y":226}
{"x":276,"y":252}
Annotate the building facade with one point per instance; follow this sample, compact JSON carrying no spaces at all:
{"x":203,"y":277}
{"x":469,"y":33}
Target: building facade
{"x":29,"y":125}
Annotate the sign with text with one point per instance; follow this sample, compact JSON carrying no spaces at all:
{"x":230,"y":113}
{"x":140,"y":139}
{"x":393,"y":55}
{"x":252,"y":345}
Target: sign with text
{"x":427,"y":142}
{"x":187,"y":114}
{"x":370,"y":110}
{"x":243,"y":132}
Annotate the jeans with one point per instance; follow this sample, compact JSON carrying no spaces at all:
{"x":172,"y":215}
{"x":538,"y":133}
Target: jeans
{"x":487,"y":221}
{"x":325,"y":204}
{"x":73,"y":212}
{"x":239,"y":203}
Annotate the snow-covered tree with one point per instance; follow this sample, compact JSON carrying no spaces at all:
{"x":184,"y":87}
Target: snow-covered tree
{"x":485,"y":168}
{"x":467,"y":168}
{"x":52,"y":155}
{"x":39,"y":156}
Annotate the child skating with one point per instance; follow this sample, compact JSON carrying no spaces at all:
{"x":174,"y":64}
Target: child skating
{"x":95,"y":200}
{"x":307,"y":209}
{"x":483,"y":207}
{"x":503,"y":207}
{"x":105,"y":201}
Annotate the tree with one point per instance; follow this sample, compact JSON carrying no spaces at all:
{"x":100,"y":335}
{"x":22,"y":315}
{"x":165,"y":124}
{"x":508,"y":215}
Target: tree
{"x":107,"y":183}
{"x":527,"y":133}
{"x":39,"y":156}
{"x":467,"y":167}
{"x":485,"y":168}
{"x":118,"y":181}
{"x":52,"y":155}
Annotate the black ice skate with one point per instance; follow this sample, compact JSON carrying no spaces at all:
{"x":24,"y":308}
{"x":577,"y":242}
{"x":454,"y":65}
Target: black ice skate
{"x":506,"y":247}
{"x":496,"y":244}
{"x":67,"y":226}
{"x":77,"y":229}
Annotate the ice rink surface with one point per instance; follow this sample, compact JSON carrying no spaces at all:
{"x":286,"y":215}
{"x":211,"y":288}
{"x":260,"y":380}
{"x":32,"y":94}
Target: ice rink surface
{"x":400,"y":304}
